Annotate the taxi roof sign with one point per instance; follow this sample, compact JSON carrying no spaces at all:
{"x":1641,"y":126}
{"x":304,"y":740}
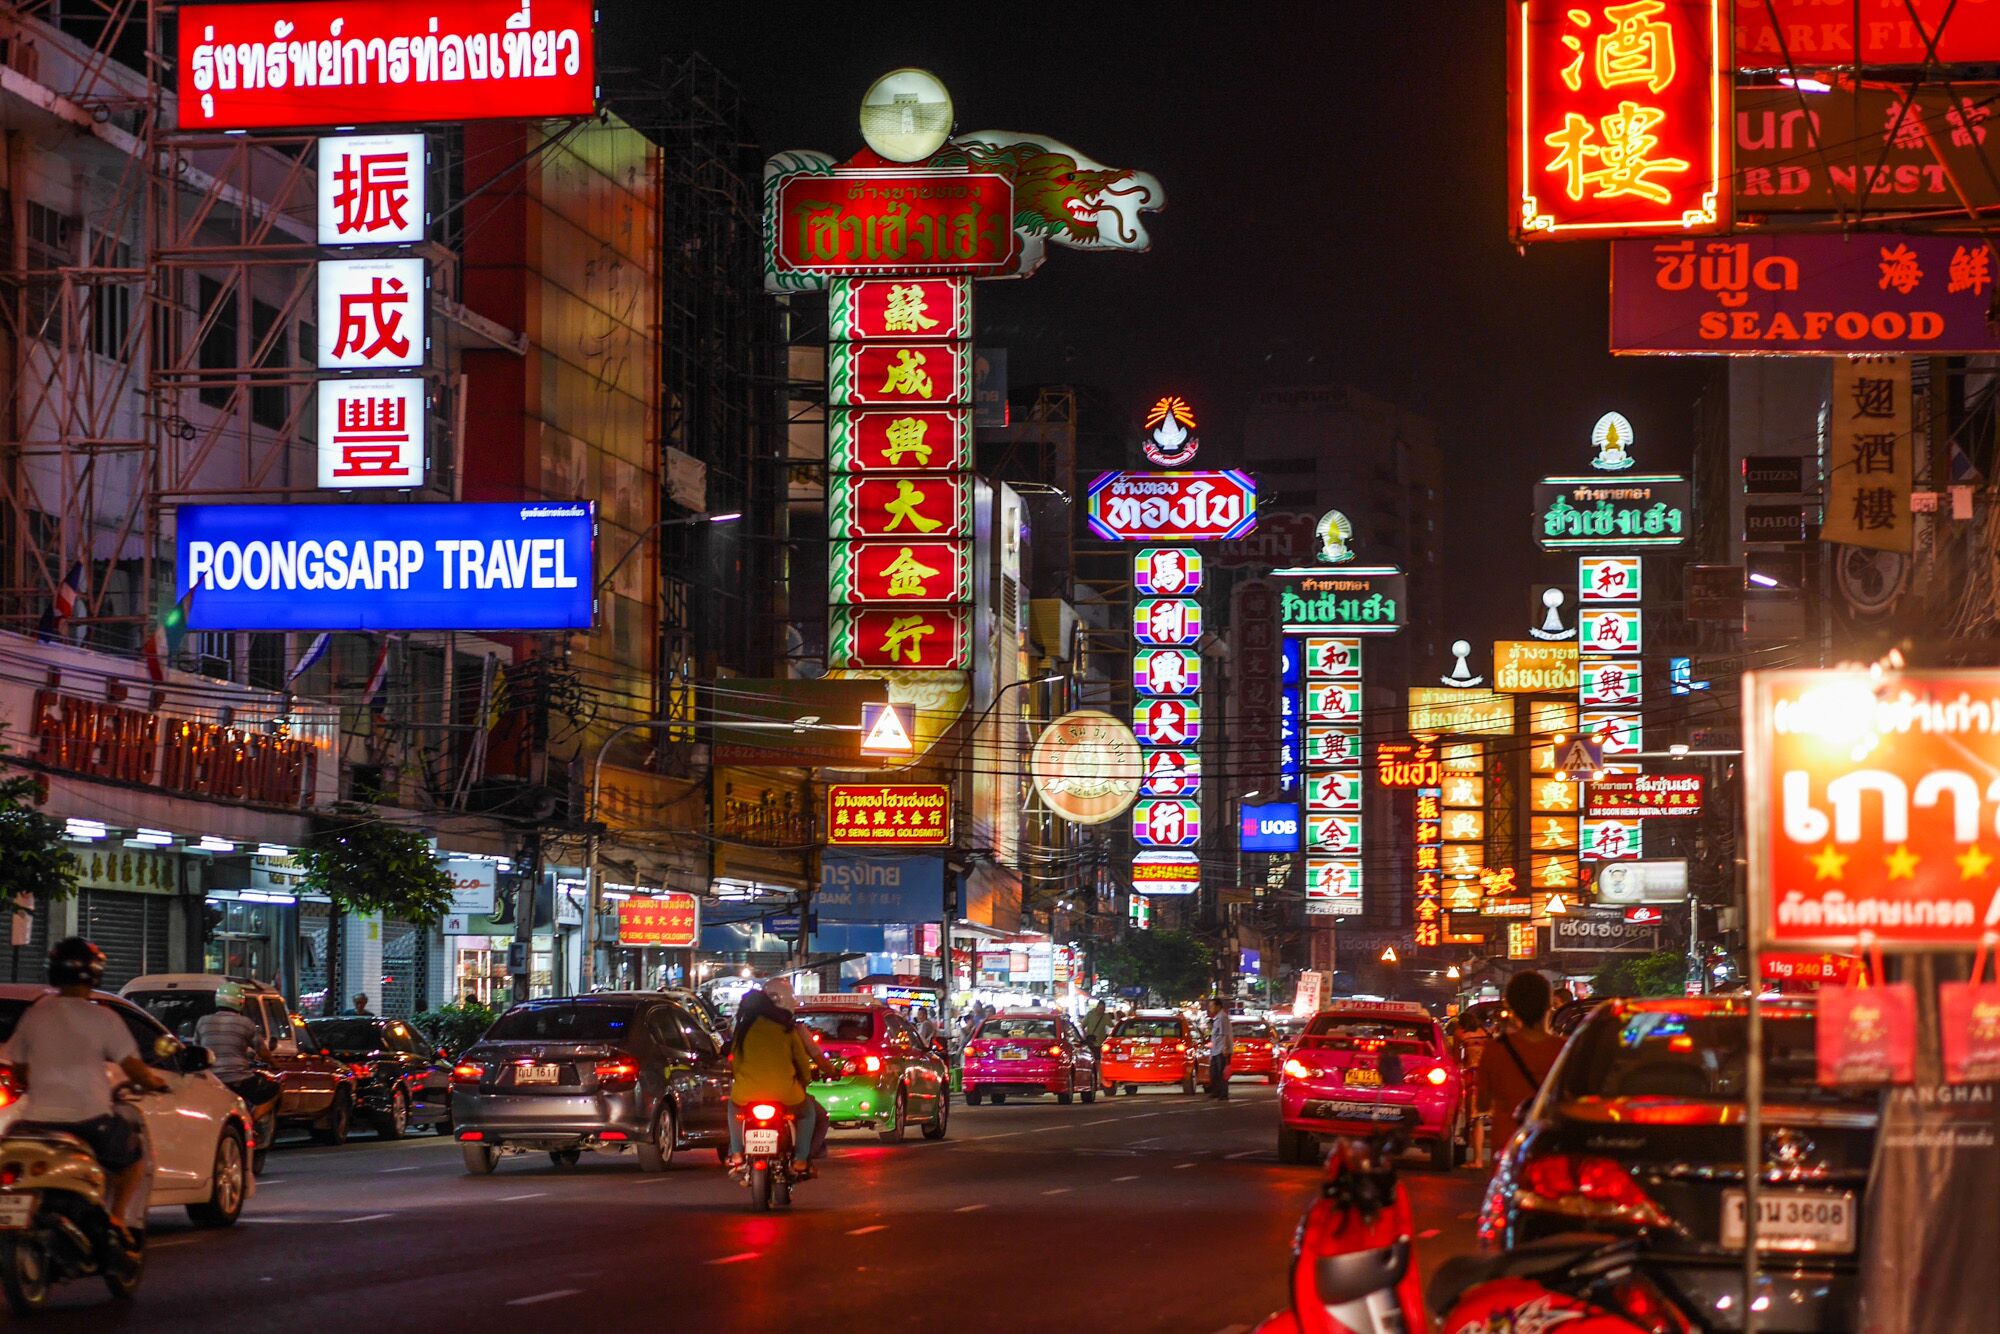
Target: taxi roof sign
{"x":1414,"y":1009}
{"x":886,"y":729}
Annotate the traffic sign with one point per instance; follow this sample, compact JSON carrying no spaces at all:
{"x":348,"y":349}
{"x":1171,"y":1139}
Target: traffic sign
{"x":1579,"y":759}
{"x":886,"y":729}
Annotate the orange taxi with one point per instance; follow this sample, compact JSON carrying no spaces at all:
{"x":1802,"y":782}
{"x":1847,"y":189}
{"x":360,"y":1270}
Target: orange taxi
{"x":1254,"y":1050}
{"x":1155,"y":1048}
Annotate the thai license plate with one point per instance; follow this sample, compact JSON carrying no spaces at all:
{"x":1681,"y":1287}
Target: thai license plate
{"x":1013,"y":1056}
{"x":1820,"y":1222}
{"x":1142,"y":1049}
{"x":1359,"y":1075}
{"x":1241,"y":1048}
{"x":534,"y":1074}
{"x":760,"y":1141}
{"x":17,"y":1210}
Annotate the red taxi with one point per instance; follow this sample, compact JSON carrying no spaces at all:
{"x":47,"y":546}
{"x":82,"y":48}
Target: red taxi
{"x":1333,"y":1081}
{"x":1254,"y":1050}
{"x":1153,"y":1048}
{"x":1025,"y":1052}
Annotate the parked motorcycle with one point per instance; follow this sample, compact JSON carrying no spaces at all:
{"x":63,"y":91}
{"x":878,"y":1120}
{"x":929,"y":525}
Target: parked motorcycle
{"x":55,"y":1220}
{"x":769,"y":1132}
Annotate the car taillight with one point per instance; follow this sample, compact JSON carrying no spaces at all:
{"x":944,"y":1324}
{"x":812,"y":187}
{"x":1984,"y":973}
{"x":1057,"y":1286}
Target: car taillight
{"x":764,"y":1111}
{"x":1437,"y":1074}
{"x":10,"y":1174}
{"x":360,"y":1069}
{"x":1641,"y":1304}
{"x":1054,"y":1050}
{"x":872,"y":1064}
{"x":1586,"y":1187}
{"x":467,"y":1072}
{"x":617,"y":1073}
{"x":1298,"y":1069}
{"x":10,"y":1092}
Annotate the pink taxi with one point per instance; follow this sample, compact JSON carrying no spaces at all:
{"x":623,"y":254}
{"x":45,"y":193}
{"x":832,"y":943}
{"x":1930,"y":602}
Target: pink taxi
{"x":1366,"y":1065}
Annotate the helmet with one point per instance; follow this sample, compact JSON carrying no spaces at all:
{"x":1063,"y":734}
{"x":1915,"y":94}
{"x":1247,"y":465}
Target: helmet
{"x":75,"y":962}
{"x":780,"y":992}
{"x":229,"y":996}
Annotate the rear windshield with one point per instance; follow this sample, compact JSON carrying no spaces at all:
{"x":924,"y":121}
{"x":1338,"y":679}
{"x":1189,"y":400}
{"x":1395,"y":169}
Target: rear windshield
{"x":1333,"y":1032}
{"x":562,"y":1021}
{"x":1693,"y":1057}
{"x":10,"y":1015}
{"x":345,"y":1034}
{"x":1148,"y":1028}
{"x":1017,"y":1028}
{"x":1249,"y":1028}
{"x":178,"y":1010}
{"x":840,"y":1025}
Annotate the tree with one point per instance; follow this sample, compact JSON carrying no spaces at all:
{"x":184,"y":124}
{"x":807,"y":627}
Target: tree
{"x":1659,"y":974}
{"x":33,"y":859}
{"x":1171,"y":965}
{"x":369,"y":866}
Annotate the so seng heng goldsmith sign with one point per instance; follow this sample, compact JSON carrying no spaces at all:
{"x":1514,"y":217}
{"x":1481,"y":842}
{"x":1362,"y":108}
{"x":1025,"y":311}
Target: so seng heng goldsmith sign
{"x":1874,"y":807}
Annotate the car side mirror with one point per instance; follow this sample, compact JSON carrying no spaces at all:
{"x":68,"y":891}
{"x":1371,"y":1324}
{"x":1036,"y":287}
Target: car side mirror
{"x":194,"y":1060}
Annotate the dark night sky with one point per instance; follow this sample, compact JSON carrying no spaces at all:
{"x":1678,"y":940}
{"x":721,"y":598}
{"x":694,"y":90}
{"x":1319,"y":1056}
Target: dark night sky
{"x":1336,"y":187}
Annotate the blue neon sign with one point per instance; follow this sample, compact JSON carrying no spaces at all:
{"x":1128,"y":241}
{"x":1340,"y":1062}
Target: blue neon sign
{"x":519,"y":566}
{"x":1271,"y":827}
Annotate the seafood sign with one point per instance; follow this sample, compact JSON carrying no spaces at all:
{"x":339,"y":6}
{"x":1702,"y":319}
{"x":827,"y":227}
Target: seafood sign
{"x":1875,"y":807}
{"x":1176,"y":506}
{"x":377,"y":62}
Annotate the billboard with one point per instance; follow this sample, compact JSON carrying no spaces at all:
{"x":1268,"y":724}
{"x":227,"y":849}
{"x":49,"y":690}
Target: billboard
{"x":887,"y":815}
{"x":1612,"y":513}
{"x":668,"y":921}
{"x":1270,"y":827}
{"x":900,"y":221}
{"x":1171,"y":506}
{"x":1867,"y":150}
{"x":1357,"y":600}
{"x":1632,"y":796}
{"x":387,"y":567}
{"x":1770,"y":34}
{"x":306,"y":63}
{"x":880,"y":889}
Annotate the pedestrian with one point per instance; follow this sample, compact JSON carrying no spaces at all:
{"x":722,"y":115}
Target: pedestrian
{"x":926,"y":1029}
{"x":1095,"y":1025}
{"x":1221,"y":1040}
{"x":1516,"y":1062}
{"x":361,"y":1003}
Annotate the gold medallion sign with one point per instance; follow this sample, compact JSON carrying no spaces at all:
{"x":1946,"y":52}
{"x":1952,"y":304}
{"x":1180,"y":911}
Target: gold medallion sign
{"x":1087,"y":768}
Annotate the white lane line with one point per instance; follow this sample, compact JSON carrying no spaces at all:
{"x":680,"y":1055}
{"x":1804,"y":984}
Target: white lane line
{"x":366,"y":1218}
{"x":735,"y":1259}
{"x":1005,"y":1134}
{"x":540,"y":1297}
{"x":1246,"y":1153}
{"x":1044,"y":1130}
{"x":968,"y":1208}
{"x":864,"y":1231}
{"x":271,"y":1181}
{"x":1140,"y":1116}
{"x":170,"y":1241}
{"x":531,"y":1195}
{"x":415,"y":1168}
{"x":1059,"y":1190}
{"x":1101,"y":1121}
{"x":1116,"y":1180}
{"x":1233,"y":1329}
{"x":1182,"y":1167}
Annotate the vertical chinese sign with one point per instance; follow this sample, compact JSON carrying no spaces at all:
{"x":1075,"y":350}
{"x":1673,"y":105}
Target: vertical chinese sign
{"x":1869,"y":454}
{"x":1555,"y":807}
{"x":1332,"y":721}
{"x":1609,"y":644}
{"x":1166,"y":717}
{"x":1428,"y":907}
{"x":1619,"y":117}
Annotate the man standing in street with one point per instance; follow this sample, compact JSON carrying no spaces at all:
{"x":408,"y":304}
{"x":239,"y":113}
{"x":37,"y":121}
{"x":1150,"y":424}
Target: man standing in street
{"x":1221,"y":1040}
{"x":1095,"y":1025}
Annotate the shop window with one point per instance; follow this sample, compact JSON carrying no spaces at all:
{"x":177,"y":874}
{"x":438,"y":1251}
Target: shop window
{"x":315,"y":941}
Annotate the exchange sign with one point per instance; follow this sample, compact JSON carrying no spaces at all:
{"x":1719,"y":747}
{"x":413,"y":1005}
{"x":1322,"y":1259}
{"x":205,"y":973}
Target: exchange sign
{"x":668,"y":921}
{"x":1619,"y":116}
{"x":386,"y":567}
{"x":1166,"y":873}
{"x":882,"y":815}
{"x":1171,"y":506}
{"x":383,"y":62}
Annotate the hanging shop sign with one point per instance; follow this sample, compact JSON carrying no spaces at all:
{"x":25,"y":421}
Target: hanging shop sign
{"x":1086,"y":767}
{"x":1633,"y":796}
{"x":881,"y":815}
{"x":1155,"y":873}
{"x":1333,"y":746}
{"x":1331,"y":658}
{"x":1272,"y":826}
{"x":1166,"y":722}
{"x":1166,"y":671}
{"x":918,"y":505}
{"x":1772,"y":34}
{"x":185,"y":756}
{"x":1166,"y":822}
{"x":1333,"y":702}
{"x":1171,"y":506}
{"x":1608,"y":683}
{"x":1619,"y":116}
{"x":902,"y":308}
{"x":926,"y":439}
{"x":1166,"y":621}
{"x":371,"y":433}
{"x":900,"y":572}
{"x":1870,"y":454}
{"x":880,"y":889}
{"x":1803,"y":293}
{"x":1534,"y":667}
{"x":1608,"y":630}
{"x":933,"y":637}
{"x":1170,"y":438}
{"x":1871,"y":150}
{"x":371,"y":314}
{"x":372,"y":189}
{"x":386,"y":567}
{"x":307,"y":63}
{"x":1871,"y":806}
{"x":1171,"y":773}
{"x":1167,"y":571}
{"x":1333,"y":887}
{"x":666,"y":921}
{"x":1407,"y":764}
{"x":1333,"y":791}
{"x":1628,"y":884}
{"x":1602,"y":579}
{"x":1362,"y":600}
{"x":1440,"y":709}
{"x":1598,"y":512}
{"x":1595,"y":934}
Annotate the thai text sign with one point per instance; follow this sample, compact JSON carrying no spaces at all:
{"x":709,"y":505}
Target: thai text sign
{"x":1872,"y":807}
{"x":1893,"y":32}
{"x":901,"y":222}
{"x":1171,"y":506}
{"x":1436,"y":709}
{"x":1603,"y":512}
{"x":1534,"y":666}
{"x":1401,"y":764}
{"x":1869,"y":454}
{"x":1880,"y":150}
{"x":383,"y":62}
{"x":386,"y":567}
{"x":1602,"y":934}
{"x":669,"y":921}
{"x":880,"y":889}
{"x":880,"y":815}
{"x":1618,"y":117}
{"x":180,"y":755}
{"x":1631,"y":796}
{"x":1880,"y":292}
{"x":1361,"y":600}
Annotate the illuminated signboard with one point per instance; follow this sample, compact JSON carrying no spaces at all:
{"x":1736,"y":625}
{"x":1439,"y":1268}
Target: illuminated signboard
{"x":1166,"y":822}
{"x":900,"y":572}
{"x":1270,"y":827}
{"x":1350,"y":599}
{"x":1333,"y":887}
{"x":928,"y":505}
{"x":308,"y":63}
{"x":371,"y":314}
{"x":1406,"y":764}
{"x":1166,"y":571}
{"x":880,"y":815}
{"x":1155,"y":873}
{"x":1772,"y":33}
{"x":1166,"y":671}
{"x":1171,"y":773}
{"x":667,"y":921}
{"x":932,"y":637}
{"x":1166,"y":722}
{"x":899,"y":440}
{"x":1620,"y":118}
{"x":1534,"y":666}
{"x":902,"y":373}
{"x":372,"y":189}
{"x":1170,"y":440}
{"x":1166,"y":621}
{"x":386,"y":567}
{"x":1436,"y":709}
{"x":908,"y":308}
{"x":1612,"y":513}
{"x":1632,"y":796}
{"x":1171,"y":506}
{"x":1086,"y":766}
{"x":886,"y":221}
{"x":371,"y":433}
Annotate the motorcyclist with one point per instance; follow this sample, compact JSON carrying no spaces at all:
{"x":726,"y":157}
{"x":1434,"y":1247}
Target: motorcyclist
{"x":59,"y":1051}
{"x":772,"y":1062}
{"x":237,"y":1044}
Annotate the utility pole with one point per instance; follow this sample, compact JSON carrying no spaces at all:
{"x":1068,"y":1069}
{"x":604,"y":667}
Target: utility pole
{"x":521,"y":955}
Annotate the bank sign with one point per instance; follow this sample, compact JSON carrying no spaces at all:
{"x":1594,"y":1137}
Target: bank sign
{"x":880,"y":889}
{"x":387,"y":567}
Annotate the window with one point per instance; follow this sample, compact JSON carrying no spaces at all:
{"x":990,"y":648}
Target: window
{"x":698,"y":1039}
{"x":562,"y":1021}
{"x":51,"y":248}
{"x":110,"y":301}
{"x":215,"y":319}
{"x":1149,"y":1028}
{"x":156,"y":1045}
{"x":269,"y":404}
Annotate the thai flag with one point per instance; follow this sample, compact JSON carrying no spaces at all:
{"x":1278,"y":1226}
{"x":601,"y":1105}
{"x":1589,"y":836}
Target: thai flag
{"x":164,"y":640}
{"x":57,"y":613}
{"x":378,"y":679}
{"x":314,"y":652}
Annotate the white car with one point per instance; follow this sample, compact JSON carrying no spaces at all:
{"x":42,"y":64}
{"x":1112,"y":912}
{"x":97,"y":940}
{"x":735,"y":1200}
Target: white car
{"x":199,"y":1131}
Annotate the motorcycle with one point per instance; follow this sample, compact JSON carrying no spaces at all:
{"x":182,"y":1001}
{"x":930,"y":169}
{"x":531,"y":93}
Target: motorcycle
{"x":769,"y":1132}
{"x":55,"y":1219}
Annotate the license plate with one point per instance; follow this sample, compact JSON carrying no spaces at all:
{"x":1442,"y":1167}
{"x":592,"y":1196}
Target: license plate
{"x":1143,"y":1049}
{"x":1013,"y":1056}
{"x":1354,"y":1111}
{"x":1241,"y":1048}
{"x":760,"y":1141}
{"x":16,"y":1210}
{"x":1820,"y":1222}
{"x":1372,"y":1078}
{"x":534,"y":1074}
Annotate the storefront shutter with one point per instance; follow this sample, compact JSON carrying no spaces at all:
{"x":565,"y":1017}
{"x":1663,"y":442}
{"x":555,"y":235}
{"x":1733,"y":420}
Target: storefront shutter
{"x":399,"y":968}
{"x":131,"y":929}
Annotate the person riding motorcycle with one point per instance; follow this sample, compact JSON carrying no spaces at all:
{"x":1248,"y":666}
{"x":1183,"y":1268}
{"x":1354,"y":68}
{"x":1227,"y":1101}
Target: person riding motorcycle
{"x":238,"y":1045}
{"x":59,"y":1050}
{"x":772,"y":1062}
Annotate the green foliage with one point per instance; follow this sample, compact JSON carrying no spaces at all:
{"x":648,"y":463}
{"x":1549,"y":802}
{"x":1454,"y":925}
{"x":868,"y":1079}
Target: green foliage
{"x":458,"y":1025}
{"x":1172,"y":966}
{"x":1660,"y":974}
{"x":33,"y":859}
{"x":369,"y":866}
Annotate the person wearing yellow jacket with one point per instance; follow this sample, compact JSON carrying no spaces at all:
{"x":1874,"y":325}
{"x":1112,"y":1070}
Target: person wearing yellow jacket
{"x":771,"y":1061}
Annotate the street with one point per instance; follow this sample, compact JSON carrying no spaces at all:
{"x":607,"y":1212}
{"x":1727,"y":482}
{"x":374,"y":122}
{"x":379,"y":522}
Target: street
{"x":1154,"y":1212}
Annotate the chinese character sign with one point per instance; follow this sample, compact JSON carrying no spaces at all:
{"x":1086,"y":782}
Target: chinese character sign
{"x":371,"y":313}
{"x":887,"y":814}
{"x":1334,"y":778}
{"x":371,"y":190}
{"x":1869,"y":454}
{"x":371,"y":433}
{"x":669,"y":921}
{"x":1620,"y":116}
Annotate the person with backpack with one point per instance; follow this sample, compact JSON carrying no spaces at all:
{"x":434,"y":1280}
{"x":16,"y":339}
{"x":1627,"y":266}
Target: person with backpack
{"x":1516,"y":1061}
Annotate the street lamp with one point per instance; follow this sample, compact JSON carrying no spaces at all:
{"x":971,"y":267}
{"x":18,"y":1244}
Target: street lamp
{"x":684,"y":521}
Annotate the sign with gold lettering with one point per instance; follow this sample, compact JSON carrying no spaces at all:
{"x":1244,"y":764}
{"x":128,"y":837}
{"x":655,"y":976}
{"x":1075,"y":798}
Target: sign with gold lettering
{"x":1534,"y":666}
{"x":900,"y":572}
{"x":880,"y":815}
{"x":920,"y":505}
{"x":937,"y":309}
{"x":933,"y":637}
{"x":899,"y":440}
{"x":186,"y":756}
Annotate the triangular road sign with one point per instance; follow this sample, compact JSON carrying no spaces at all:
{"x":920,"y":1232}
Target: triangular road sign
{"x":885,"y":729}
{"x":1580,"y":759}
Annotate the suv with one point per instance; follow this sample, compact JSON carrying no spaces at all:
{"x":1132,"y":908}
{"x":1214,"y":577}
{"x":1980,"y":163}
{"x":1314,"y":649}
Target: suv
{"x":611,"y":1071}
{"x":316,"y":1091}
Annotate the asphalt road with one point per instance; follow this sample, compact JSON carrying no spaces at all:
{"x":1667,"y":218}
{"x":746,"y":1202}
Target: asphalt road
{"x":1155,"y":1212}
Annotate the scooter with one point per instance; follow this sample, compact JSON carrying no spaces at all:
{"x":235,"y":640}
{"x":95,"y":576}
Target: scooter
{"x":55,"y":1219}
{"x":769,"y":1132}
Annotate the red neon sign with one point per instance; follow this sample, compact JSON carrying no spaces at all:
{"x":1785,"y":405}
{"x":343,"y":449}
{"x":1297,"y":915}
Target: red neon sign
{"x":1619,"y":116}
{"x":382,"y":62}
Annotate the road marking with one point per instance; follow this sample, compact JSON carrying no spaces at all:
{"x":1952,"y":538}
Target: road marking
{"x":1232,"y":1329}
{"x":531,"y":1195}
{"x":1116,"y":1180}
{"x":367,"y":1218}
{"x":416,"y":1168}
{"x":1059,"y":1190}
{"x":1427,"y":1234}
{"x":1182,"y":1167}
{"x":1101,"y":1121}
{"x":968,"y":1208}
{"x":1140,"y":1116}
{"x":1246,"y":1153}
{"x":735,"y":1259}
{"x":1005,"y":1134}
{"x":1043,"y":1130}
{"x":545,"y":1297}
{"x":864,"y":1231}
{"x":170,"y":1241}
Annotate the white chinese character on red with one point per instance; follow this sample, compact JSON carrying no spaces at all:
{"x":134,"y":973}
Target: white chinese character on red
{"x":372,"y":435}
{"x":371,"y":193}
{"x":371,"y":322}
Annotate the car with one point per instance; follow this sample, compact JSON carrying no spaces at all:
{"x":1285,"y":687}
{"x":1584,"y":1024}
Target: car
{"x":1019,"y":1053}
{"x":200,"y":1134}
{"x":891,"y":1078}
{"x":1361,"y":1065}
{"x":315,"y":1090}
{"x":612,"y":1072}
{"x":1254,"y":1050}
{"x":1639,"y":1129}
{"x":1151,"y":1047}
{"x":402,"y":1079}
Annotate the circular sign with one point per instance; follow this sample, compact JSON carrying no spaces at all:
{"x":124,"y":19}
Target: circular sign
{"x":906,"y":115}
{"x":1087,"y":768}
